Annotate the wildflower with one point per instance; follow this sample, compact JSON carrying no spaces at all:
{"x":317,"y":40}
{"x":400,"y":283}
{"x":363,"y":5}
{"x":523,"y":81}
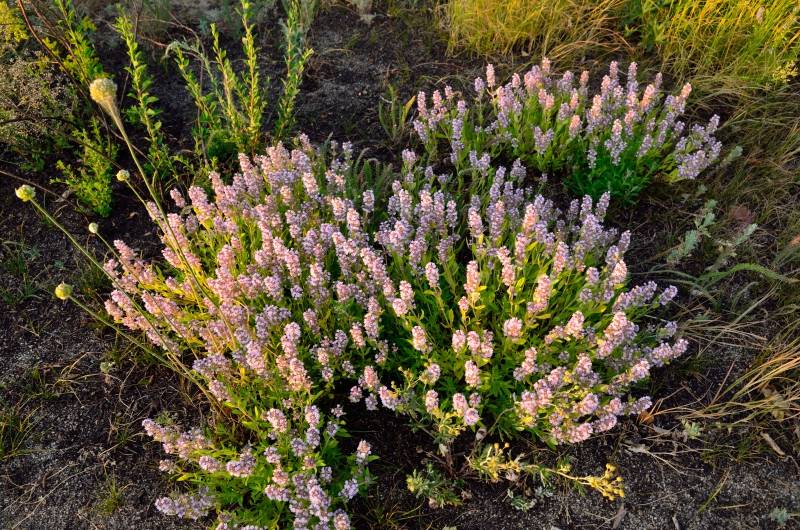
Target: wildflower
{"x":471,"y":416}
{"x":431,"y":374}
{"x":431,"y":400}
{"x":341,"y":521}
{"x":512,"y":328}
{"x":93,"y":228}
{"x":123,"y":175}
{"x":540,"y":295}
{"x":432,"y":274}
{"x":244,"y":466}
{"x":410,"y":157}
{"x":25,"y":193}
{"x":419,"y":340}
{"x":186,"y":506}
{"x":102,"y":90}
{"x":388,"y":398}
{"x":490,"y":79}
{"x":362,"y":452}
{"x":668,"y":294}
{"x":471,"y":373}
{"x":460,"y":403}
{"x":349,"y":489}
{"x":579,"y":433}
{"x":63,"y":291}
{"x":277,"y":420}
{"x":209,"y":464}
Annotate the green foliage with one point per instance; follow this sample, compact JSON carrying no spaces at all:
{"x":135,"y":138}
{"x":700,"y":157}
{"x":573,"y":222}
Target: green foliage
{"x":703,"y":220}
{"x":144,"y":112}
{"x":111,"y":496}
{"x":91,"y":180}
{"x":16,"y":259}
{"x":80,"y":59}
{"x":15,"y":429}
{"x":299,"y":15}
{"x":520,"y":502}
{"x":35,"y":102}
{"x":708,"y":229}
{"x":12,"y":29}
{"x":430,"y":484}
{"x":781,"y":516}
{"x":232,"y":107}
{"x":231,"y":110}
{"x":394,"y":116}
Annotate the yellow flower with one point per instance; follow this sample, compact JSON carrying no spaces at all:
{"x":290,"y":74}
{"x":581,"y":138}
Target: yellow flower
{"x":103,"y":91}
{"x":93,"y":228}
{"x":123,"y":175}
{"x":63,"y":291}
{"x":25,"y":193}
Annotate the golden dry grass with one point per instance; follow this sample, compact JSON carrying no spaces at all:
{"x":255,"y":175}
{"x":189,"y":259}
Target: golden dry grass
{"x":559,"y":29}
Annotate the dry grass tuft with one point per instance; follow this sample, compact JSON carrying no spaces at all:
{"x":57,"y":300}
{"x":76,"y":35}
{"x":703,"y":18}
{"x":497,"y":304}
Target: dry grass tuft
{"x":559,"y":29}
{"x":735,"y":42}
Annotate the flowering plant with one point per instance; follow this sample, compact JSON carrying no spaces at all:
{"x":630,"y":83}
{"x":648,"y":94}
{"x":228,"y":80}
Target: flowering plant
{"x":515,"y":316}
{"x":269,"y":290}
{"x":616,"y":140}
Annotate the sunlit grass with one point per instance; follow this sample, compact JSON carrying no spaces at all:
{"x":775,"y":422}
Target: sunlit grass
{"x":739,"y":42}
{"x":556,"y":28}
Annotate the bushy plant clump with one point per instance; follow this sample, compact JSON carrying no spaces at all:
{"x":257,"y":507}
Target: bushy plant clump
{"x":511,"y":315}
{"x":36,"y":103}
{"x":617,"y":140}
{"x":270,"y":287}
{"x":494,"y":312}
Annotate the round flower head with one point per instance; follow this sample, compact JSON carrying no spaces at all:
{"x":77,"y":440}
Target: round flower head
{"x":25,"y":193}
{"x":123,"y":175}
{"x":63,"y":291}
{"x":93,"y":228}
{"x":104,"y":92}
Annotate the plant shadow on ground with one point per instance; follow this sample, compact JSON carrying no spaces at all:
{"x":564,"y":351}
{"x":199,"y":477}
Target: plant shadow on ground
{"x":72,"y":420}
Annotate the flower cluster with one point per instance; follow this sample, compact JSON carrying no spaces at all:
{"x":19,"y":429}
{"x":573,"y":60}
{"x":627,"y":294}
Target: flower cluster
{"x":615,"y":140}
{"x":268,"y":292}
{"x":521,"y":320}
{"x":495,"y":312}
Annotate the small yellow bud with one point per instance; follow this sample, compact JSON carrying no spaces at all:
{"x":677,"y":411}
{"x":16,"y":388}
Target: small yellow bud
{"x":103,"y":91}
{"x":25,"y":193}
{"x":63,"y":291}
{"x":123,"y":175}
{"x":93,"y":228}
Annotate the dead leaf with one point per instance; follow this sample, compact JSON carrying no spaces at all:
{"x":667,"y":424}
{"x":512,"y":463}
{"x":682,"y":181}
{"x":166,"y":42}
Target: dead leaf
{"x":767,"y":438}
{"x":619,"y":517}
{"x":742,"y":215}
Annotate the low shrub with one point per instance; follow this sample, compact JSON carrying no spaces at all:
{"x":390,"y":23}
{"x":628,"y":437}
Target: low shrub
{"x":269,"y":290}
{"x":617,"y":140}
{"x":36,"y":103}
{"x":511,"y":316}
{"x":91,"y":180}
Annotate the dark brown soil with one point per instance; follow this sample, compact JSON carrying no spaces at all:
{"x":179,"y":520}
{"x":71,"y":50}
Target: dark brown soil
{"x":83,"y":430}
